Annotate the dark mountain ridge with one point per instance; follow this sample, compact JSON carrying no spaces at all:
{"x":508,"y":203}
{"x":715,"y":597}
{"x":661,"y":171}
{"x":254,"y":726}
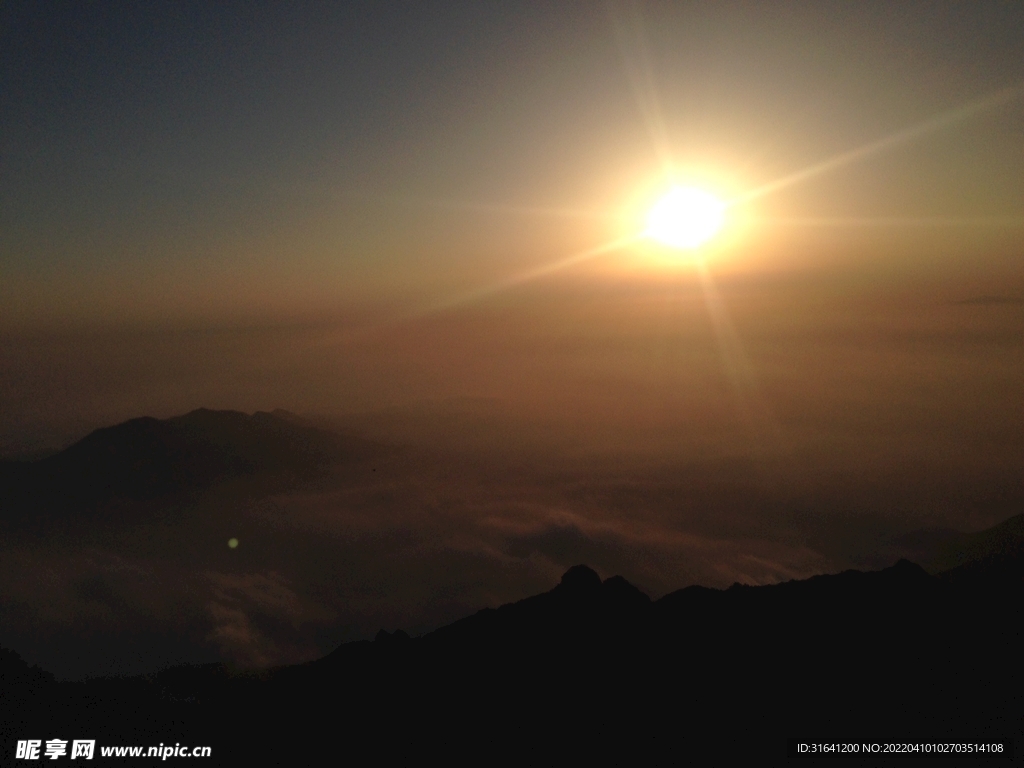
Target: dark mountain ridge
{"x":596,"y":665}
{"x":590,"y":665}
{"x":147,"y":459}
{"x":995,"y":554}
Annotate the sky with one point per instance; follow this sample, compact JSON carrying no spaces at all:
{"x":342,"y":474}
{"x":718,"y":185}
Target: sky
{"x":424,"y":222}
{"x":389,"y":183}
{"x":191,"y":163}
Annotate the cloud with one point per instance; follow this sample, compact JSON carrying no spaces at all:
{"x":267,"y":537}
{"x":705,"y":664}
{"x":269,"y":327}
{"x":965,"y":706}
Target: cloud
{"x":258,"y":620}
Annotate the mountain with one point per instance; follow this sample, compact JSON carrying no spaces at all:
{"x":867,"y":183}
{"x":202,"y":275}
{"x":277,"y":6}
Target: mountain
{"x":148,"y":459}
{"x":1007,"y":538}
{"x":955,"y":553}
{"x":595,"y":668}
{"x":992,"y":558}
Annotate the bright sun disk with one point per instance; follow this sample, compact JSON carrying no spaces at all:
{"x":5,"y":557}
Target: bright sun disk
{"x":686,"y":217}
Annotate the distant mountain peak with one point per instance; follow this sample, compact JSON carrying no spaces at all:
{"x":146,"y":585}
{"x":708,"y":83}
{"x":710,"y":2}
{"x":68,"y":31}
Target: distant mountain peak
{"x":580,"y":578}
{"x":904,"y":566}
{"x":148,"y":458}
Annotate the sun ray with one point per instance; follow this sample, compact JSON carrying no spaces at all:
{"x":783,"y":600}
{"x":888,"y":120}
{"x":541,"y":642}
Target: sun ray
{"x":767,"y":439}
{"x":526,"y":276}
{"x":932,"y":124}
{"x":639,"y":69}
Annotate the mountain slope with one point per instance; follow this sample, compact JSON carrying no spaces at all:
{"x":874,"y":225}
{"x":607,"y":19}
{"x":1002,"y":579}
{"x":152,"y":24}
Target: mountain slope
{"x":595,"y":667}
{"x":146,"y":459}
{"x":1005,"y":539}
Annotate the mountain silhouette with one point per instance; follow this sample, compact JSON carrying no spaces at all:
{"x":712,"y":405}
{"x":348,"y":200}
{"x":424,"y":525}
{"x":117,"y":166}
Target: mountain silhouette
{"x":991,"y":559}
{"x":594,"y":667}
{"x":148,"y":459}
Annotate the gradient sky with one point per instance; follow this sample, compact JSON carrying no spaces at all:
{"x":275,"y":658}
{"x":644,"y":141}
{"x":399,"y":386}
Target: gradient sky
{"x":326,"y":207}
{"x":180,"y":160}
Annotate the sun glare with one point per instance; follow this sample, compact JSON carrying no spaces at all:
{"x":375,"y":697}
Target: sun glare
{"x":685,"y":218}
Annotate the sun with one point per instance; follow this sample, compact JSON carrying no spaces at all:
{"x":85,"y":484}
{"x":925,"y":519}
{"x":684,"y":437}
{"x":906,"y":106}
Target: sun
{"x":685,"y":218}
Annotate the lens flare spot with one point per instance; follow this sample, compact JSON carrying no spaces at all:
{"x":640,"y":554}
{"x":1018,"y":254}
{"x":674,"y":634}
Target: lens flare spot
{"x":233,"y":543}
